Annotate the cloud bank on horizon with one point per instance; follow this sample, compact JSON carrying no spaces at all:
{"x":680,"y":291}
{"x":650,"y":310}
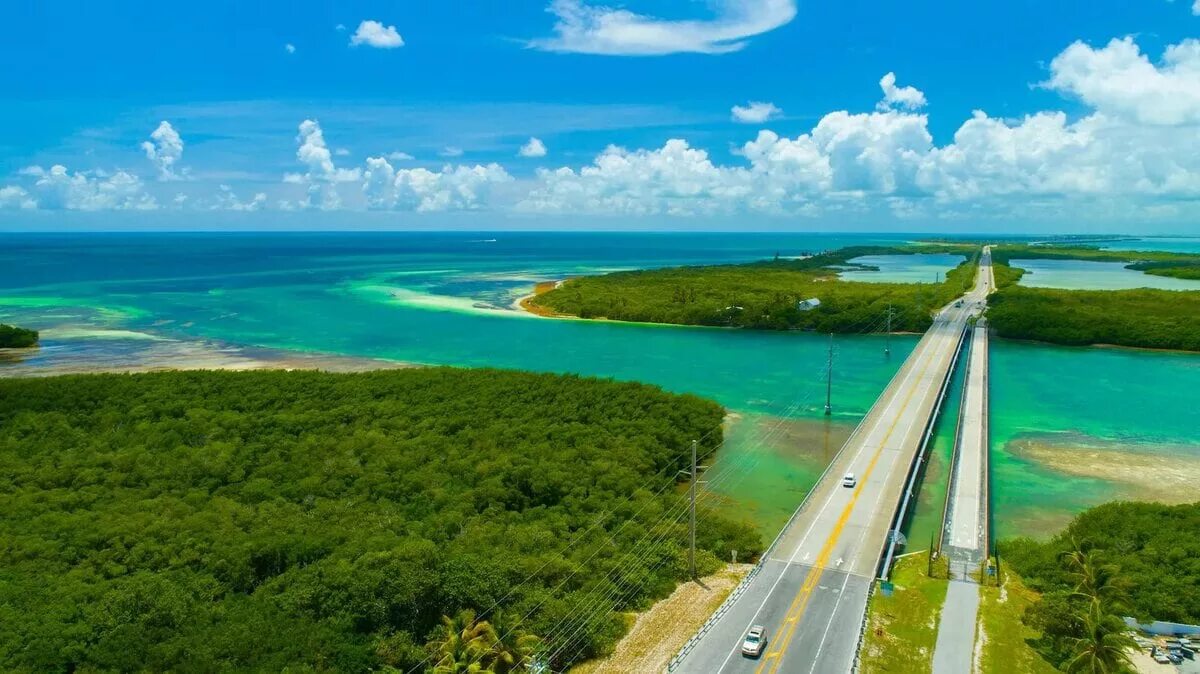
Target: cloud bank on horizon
{"x":1123,"y":143}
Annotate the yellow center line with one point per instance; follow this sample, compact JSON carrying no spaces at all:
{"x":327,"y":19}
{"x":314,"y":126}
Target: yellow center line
{"x":796,"y":609}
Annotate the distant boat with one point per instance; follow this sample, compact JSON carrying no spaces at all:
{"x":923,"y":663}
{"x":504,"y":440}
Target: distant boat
{"x":482,"y":241}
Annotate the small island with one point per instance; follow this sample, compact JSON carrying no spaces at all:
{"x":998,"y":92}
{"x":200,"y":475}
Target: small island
{"x":1140,"y":317}
{"x":12,"y":337}
{"x":780,"y":294}
{"x":807,"y":294}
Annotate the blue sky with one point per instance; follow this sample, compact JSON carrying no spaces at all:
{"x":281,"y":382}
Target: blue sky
{"x":730,"y":114}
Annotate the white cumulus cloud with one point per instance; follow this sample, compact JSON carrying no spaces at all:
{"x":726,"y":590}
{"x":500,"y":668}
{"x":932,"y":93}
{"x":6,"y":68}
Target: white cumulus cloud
{"x":375,"y":34}
{"x":59,"y":188}
{"x":164,"y":149}
{"x":12,"y":196}
{"x":322,"y":175}
{"x":756,"y":112}
{"x":1118,"y":79}
{"x":1120,"y":157}
{"x":593,"y":29}
{"x":227,"y":200}
{"x":909,"y":98}
{"x":675,"y":179}
{"x":422,"y":190}
{"x":534,"y":148}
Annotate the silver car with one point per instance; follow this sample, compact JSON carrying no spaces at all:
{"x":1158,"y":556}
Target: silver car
{"x":755,"y":641}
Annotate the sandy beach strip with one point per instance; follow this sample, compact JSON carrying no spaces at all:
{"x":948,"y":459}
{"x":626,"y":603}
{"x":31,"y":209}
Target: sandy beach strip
{"x":525,"y":303}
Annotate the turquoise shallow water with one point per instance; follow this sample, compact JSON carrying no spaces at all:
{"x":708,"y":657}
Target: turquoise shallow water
{"x":917,"y":268}
{"x":1091,"y":275}
{"x":446,"y":299}
{"x":1173,"y":244}
{"x":1133,"y":403}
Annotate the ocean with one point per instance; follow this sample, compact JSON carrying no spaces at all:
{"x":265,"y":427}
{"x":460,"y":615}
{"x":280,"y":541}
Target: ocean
{"x":199,"y":299}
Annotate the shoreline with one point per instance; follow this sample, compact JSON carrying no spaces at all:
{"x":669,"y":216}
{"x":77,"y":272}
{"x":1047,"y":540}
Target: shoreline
{"x":1110,"y":347}
{"x":56,"y":358}
{"x":525,"y":304}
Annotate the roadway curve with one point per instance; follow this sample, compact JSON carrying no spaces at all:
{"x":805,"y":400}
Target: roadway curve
{"x":811,"y":593}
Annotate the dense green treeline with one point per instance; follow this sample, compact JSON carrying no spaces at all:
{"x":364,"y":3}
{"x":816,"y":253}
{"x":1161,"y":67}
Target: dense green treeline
{"x":12,"y":337}
{"x":1143,"y":317}
{"x":763,"y":295}
{"x":1159,"y":319}
{"x":1161,"y":263}
{"x":262,"y":521}
{"x":1117,"y":559}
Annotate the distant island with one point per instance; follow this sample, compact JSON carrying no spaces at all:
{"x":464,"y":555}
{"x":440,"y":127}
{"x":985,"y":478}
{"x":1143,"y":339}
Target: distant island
{"x":806,"y":294}
{"x":1141,"y":317}
{"x":780,"y":294}
{"x":12,"y":337}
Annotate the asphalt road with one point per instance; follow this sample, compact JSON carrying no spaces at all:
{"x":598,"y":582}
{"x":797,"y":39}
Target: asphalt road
{"x":811,"y":594}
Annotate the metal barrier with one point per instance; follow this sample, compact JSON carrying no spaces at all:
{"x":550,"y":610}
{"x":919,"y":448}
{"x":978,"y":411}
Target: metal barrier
{"x":862,"y":631}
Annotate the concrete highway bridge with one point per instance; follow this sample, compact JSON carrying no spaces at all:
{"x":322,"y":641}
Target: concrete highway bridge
{"x":810,"y":590}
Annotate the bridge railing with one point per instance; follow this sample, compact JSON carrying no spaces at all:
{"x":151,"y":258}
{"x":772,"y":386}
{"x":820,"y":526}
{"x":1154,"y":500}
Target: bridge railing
{"x":987,"y":444}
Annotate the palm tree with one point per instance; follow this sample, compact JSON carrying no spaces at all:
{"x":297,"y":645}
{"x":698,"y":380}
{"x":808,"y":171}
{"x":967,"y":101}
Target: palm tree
{"x":460,"y":644}
{"x":511,"y":647}
{"x":1104,"y":646}
{"x":1094,"y":581}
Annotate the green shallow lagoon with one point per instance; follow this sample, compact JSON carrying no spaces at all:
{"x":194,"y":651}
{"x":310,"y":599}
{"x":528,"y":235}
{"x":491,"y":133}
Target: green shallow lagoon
{"x":446,"y":299}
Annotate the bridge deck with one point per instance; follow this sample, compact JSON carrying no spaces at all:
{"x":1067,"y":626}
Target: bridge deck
{"x":811,"y":592}
{"x":965,"y":534}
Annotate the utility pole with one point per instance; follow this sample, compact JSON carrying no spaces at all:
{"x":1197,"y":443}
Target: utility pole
{"x":829,"y":379}
{"x":887,"y":343}
{"x":692,"y":549}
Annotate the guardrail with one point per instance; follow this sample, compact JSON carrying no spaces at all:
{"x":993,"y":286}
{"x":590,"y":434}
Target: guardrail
{"x":987,"y":442}
{"x":745,"y":582}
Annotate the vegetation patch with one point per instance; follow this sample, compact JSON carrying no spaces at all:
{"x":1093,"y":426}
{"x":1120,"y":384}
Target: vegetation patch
{"x":1004,"y":638}
{"x":902,"y":629}
{"x":770,"y":294}
{"x":1156,"y":319}
{"x":1143,"y":317}
{"x":1114,"y":560}
{"x":12,"y":337}
{"x":270,"y":521}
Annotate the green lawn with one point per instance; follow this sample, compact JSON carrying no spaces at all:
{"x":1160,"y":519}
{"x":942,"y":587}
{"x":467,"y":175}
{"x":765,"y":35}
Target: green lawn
{"x":1005,"y":650}
{"x":902,"y":628}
